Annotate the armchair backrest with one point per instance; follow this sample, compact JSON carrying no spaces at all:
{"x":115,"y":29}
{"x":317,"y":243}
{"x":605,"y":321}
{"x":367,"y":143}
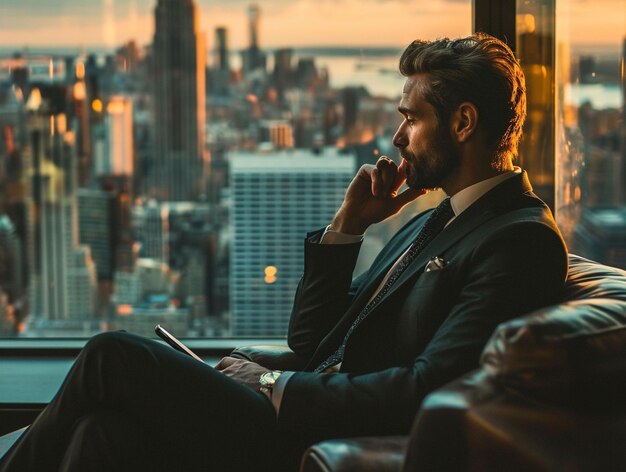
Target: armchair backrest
{"x":572,"y":352}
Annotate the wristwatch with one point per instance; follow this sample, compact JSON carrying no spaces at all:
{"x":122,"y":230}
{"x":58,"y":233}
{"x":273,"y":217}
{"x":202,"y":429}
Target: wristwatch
{"x":268,"y":379}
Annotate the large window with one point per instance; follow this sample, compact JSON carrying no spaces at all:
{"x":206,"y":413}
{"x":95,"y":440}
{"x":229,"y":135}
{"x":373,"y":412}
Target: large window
{"x":591,"y":128}
{"x":573,"y":54}
{"x":161,"y":161}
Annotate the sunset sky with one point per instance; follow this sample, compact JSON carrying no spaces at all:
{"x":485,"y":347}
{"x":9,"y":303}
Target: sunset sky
{"x":88,"y":23}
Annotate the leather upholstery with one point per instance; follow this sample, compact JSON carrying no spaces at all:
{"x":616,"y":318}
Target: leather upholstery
{"x":380,"y":454}
{"x":569,"y":352}
{"x":472,"y":425}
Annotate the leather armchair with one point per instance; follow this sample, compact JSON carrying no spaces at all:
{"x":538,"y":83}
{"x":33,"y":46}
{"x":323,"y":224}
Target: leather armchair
{"x":550,"y":394}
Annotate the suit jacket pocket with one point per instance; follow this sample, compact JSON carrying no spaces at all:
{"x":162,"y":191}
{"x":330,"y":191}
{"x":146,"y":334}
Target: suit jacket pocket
{"x":434,"y":277}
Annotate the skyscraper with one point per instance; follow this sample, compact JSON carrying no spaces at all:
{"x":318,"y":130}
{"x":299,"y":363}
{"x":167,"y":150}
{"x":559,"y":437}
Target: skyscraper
{"x":221,"y":49}
{"x":152,"y":229}
{"x":276,"y":200}
{"x":284,"y":73}
{"x":63,"y":279}
{"x":95,"y":208}
{"x":253,"y":57}
{"x":114,"y":153}
{"x":254,"y":15}
{"x":15,"y":155}
{"x":179,"y":102}
{"x":11,"y":257}
{"x":84,"y":90}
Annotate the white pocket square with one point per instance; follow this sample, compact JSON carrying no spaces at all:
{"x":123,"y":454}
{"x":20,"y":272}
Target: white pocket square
{"x":436,"y":263}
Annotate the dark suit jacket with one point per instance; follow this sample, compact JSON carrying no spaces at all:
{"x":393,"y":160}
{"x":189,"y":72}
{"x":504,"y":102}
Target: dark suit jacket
{"x":505,"y":257}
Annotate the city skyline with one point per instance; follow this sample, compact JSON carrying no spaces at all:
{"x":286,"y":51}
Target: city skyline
{"x":108,"y":235}
{"x":108,"y":23}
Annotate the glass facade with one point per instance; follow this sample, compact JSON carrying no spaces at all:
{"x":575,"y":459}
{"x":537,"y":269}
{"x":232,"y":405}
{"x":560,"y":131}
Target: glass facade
{"x":275,"y":201}
{"x":161,"y":160}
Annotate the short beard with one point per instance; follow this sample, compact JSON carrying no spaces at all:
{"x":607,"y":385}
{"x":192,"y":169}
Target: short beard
{"x":443,"y":159}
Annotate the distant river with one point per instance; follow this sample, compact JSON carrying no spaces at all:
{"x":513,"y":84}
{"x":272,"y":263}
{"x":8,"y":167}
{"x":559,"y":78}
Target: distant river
{"x":381,"y":77}
{"x":379,"y":74}
{"x":601,"y":96}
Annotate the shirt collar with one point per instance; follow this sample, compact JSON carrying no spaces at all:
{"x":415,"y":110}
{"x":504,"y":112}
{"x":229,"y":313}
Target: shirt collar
{"x":463,"y":199}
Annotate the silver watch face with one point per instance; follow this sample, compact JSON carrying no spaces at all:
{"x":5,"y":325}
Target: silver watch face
{"x":268,"y":378}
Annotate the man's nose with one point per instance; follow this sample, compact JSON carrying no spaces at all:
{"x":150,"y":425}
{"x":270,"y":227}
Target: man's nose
{"x":399,"y":139}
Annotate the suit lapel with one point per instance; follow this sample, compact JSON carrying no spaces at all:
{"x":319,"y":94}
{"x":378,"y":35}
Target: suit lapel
{"x":391,"y":254}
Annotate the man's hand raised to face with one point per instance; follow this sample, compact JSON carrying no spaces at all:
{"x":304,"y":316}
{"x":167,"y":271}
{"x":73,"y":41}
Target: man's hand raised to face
{"x":373,"y":196}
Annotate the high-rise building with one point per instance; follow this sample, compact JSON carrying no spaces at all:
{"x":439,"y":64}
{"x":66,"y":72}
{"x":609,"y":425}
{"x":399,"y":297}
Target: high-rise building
{"x":126,"y":247}
{"x":152,"y":228}
{"x":114,"y":153}
{"x":11,"y":260}
{"x":7,"y":317}
{"x":192,"y":231}
{"x":254,"y":16}
{"x":222,"y":62}
{"x":63,"y":282}
{"x":278,"y":133}
{"x":283,"y":71}
{"x":306,"y":72}
{"x":99,"y":229}
{"x":276,"y":199}
{"x":219,"y":78}
{"x":95,"y":220}
{"x":16,"y":180}
{"x":81,"y":284}
{"x":178,"y":57}
{"x":351,"y":98}
{"x":84,"y":107}
{"x":128,"y":57}
{"x":253,"y":57}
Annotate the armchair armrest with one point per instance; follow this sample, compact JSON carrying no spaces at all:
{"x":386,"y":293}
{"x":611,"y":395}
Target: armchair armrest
{"x":474,"y":424}
{"x":380,"y":454}
{"x":271,"y":356}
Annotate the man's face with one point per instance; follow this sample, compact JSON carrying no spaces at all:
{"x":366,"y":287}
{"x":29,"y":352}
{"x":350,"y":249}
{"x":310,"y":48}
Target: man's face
{"x":424,"y":143}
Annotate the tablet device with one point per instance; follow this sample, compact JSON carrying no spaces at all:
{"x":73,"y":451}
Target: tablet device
{"x":175,"y":343}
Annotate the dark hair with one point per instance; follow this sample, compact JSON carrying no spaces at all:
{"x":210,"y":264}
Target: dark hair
{"x":479,"y":69}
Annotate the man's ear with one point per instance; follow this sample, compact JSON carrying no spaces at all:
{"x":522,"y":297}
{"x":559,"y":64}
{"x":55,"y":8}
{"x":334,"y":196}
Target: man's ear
{"x":464,"y":122}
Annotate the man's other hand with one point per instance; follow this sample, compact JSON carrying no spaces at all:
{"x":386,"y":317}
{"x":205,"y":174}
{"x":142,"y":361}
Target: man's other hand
{"x":243,"y":371}
{"x":373,"y":196}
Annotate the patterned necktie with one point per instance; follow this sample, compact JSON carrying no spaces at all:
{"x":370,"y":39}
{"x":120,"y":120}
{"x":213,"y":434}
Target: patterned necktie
{"x":433,"y":226}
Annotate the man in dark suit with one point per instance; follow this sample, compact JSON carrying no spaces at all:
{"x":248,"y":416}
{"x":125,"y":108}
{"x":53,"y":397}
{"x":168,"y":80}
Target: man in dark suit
{"x":374,"y":346}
